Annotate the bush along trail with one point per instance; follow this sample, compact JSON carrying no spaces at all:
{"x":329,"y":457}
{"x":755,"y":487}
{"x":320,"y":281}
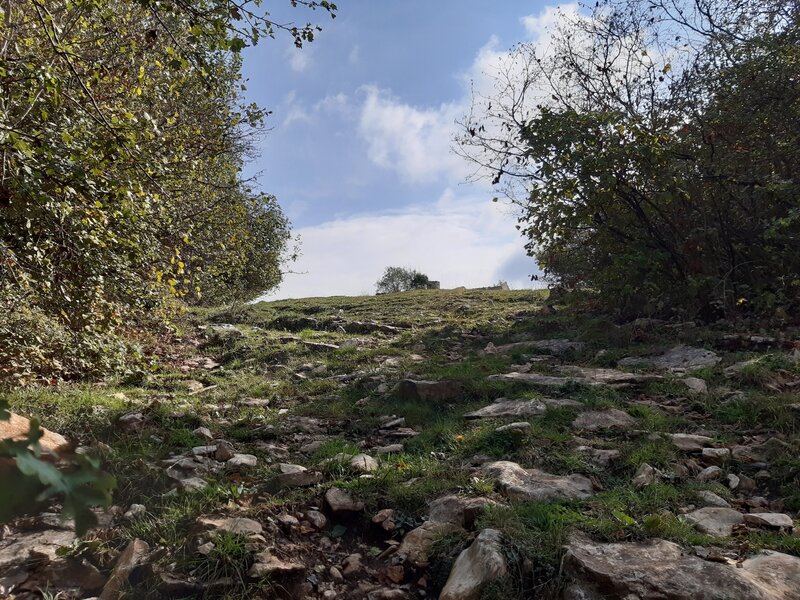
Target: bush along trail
{"x":431,"y":444}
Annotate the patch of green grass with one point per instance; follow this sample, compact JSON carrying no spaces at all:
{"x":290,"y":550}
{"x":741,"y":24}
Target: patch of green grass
{"x":230,"y":558}
{"x":781,"y":542}
{"x":331,"y":448}
{"x":80,"y":411}
{"x":602,"y":332}
{"x":182,"y":438}
{"x":169,"y":518}
{"x":669,"y":527}
{"x":766,"y":369}
{"x":537,"y":532}
{"x":596,"y":397}
{"x":557,"y":419}
{"x":484,"y":438}
{"x":637,"y":502}
{"x":408,"y":483}
{"x":439,"y":435}
{"x":657,"y":453}
{"x":772,"y":411}
{"x":651,"y":419}
{"x":470,"y":372}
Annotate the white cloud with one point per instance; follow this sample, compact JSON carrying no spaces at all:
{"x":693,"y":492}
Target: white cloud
{"x":355,"y":55}
{"x":298,"y":112}
{"x":335,"y":103}
{"x":415,"y":142}
{"x":538,"y":26}
{"x":299,"y":58}
{"x":457,"y":240}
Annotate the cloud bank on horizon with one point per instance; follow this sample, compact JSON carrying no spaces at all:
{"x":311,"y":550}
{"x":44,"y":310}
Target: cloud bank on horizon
{"x":378,"y":143}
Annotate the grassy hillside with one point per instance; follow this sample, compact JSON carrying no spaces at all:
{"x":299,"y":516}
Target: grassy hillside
{"x":313,"y":382}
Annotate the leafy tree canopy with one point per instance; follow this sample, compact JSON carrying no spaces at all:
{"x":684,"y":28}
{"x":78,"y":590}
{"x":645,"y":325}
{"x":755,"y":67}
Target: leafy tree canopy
{"x":652,"y":150}
{"x":400,"y":279}
{"x":123,"y":132}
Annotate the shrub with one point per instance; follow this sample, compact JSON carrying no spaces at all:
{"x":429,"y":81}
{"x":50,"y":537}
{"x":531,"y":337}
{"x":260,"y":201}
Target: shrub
{"x":400,"y":279}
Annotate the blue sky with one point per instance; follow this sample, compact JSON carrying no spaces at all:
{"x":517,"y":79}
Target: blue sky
{"x":358,"y":152}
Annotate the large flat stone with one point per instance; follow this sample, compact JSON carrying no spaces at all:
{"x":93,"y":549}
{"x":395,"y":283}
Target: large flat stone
{"x":691,"y":443}
{"x":526,"y":485}
{"x":572,"y":375}
{"x":235,"y":525}
{"x":611,"y":377}
{"x":596,"y":420}
{"x":534,"y":379}
{"x":675,"y":359}
{"x":509,"y":408}
{"x":16,"y":549}
{"x":503,"y":408}
{"x":661,"y":570}
{"x":716,"y":521}
{"x":554,"y":346}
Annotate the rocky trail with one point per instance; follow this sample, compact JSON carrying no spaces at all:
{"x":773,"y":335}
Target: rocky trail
{"x":440,"y":444}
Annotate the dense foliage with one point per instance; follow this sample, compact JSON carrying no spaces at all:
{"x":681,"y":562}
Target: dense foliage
{"x":123,"y":133}
{"x":401,"y":279}
{"x":654,"y":149}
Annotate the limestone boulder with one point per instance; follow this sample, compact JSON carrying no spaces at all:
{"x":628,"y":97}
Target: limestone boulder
{"x":341,"y":501}
{"x":596,"y":420}
{"x":529,"y":485}
{"x":716,"y":521}
{"x":480,"y":564}
{"x":679,"y":358}
{"x":458,"y":510}
{"x":662,"y":570}
{"x":417,"y":543}
{"x":688,"y":442}
{"x":234,"y":525}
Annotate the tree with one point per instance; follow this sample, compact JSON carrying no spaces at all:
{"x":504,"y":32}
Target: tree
{"x":652,"y":152}
{"x":400,"y":279}
{"x":123,"y":133}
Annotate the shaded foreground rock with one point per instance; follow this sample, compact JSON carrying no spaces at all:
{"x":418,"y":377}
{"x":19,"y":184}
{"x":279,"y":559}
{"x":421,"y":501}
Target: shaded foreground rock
{"x":340,"y":501}
{"x":16,"y":428}
{"x":458,"y":510}
{"x":477,"y":566}
{"x":660,"y":570}
{"x":43,"y":545}
{"x":134,"y":555}
{"x":417,"y":543}
{"x":266,"y":564}
{"x":525,"y":485}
